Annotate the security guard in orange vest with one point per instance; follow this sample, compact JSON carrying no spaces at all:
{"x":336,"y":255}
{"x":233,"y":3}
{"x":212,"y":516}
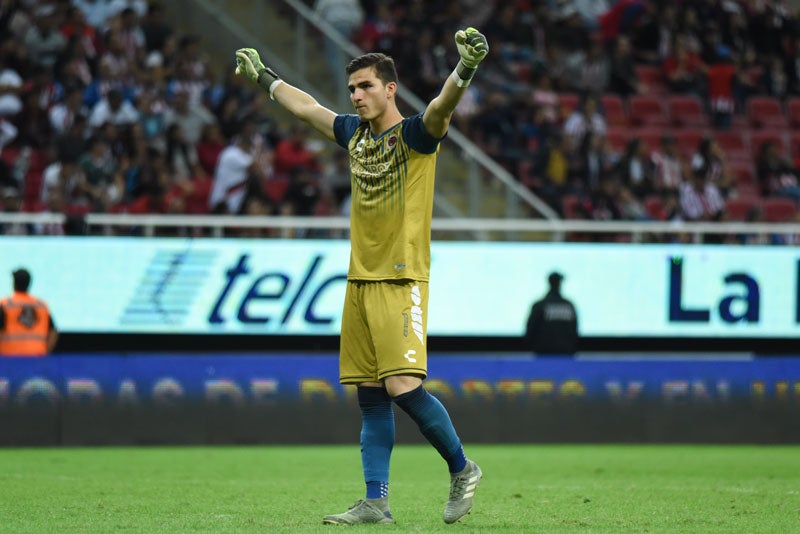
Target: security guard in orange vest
{"x":26,"y":327}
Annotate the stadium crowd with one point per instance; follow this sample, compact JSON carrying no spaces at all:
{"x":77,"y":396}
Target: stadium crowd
{"x":608,"y":110}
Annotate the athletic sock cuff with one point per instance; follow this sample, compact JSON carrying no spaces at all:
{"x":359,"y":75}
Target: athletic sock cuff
{"x":406,"y":400}
{"x":367,"y":395}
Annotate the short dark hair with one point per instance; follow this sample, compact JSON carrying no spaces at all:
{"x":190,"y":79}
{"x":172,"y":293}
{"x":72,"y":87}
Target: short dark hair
{"x":22,"y":280}
{"x":554,"y":279}
{"x":383,"y":64}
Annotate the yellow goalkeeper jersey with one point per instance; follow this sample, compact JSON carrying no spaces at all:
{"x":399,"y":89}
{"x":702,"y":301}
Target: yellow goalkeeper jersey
{"x":392,"y":177}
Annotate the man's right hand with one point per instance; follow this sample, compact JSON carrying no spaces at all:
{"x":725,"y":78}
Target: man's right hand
{"x":248,"y":63}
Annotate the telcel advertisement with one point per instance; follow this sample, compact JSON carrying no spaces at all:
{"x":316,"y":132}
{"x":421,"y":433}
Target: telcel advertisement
{"x":296,"y":287}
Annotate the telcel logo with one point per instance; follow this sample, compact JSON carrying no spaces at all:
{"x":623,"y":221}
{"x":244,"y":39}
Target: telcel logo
{"x":299,"y":297}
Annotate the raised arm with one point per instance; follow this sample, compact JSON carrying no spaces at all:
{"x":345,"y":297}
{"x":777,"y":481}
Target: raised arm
{"x":299,"y":103}
{"x":472,"y":47}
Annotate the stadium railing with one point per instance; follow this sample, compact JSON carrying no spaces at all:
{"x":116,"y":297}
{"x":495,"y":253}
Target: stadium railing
{"x":498,"y":229}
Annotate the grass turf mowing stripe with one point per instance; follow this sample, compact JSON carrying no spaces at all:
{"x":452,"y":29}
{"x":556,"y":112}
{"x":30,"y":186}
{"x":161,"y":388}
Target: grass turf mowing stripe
{"x":542,"y":488}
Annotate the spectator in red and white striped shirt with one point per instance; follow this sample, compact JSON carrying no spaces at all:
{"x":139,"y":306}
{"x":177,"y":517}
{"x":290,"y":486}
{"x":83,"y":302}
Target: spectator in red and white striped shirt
{"x":700,"y":199}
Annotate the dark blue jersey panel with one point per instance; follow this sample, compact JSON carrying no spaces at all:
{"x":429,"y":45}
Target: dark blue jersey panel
{"x":344,"y":126}
{"x":417,"y":137}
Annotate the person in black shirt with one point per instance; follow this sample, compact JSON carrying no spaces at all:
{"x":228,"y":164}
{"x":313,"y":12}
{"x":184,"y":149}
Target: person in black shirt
{"x":552,"y":326}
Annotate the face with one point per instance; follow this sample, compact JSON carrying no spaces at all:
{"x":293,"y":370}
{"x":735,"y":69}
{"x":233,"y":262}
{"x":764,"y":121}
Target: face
{"x":368,"y":94}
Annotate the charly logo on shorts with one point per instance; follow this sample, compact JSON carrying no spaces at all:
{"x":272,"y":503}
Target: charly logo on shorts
{"x":168,"y":287}
{"x":416,"y":314}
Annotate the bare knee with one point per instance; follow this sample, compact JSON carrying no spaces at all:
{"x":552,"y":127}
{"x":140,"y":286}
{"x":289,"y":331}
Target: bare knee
{"x":399,"y":384}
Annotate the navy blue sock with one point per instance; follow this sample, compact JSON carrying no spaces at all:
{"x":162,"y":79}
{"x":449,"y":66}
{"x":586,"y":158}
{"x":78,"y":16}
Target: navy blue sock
{"x":377,"y":439}
{"x":435,"y":424}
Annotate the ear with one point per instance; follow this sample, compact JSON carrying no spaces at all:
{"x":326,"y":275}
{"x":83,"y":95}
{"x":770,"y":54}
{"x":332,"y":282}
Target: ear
{"x":391,"y":89}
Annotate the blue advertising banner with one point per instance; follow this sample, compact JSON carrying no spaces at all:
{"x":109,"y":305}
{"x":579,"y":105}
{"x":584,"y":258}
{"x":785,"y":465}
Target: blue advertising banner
{"x":251,"y":380}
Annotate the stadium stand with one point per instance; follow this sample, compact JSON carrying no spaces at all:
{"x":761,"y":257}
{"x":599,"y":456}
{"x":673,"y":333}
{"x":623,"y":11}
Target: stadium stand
{"x":778,"y":209}
{"x":648,"y":110}
{"x":765,"y":112}
{"x":737,"y":209}
{"x":614,"y":109}
{"x":686,"y":111}
{"x":166,"y":78}
{"x":793,"y":112}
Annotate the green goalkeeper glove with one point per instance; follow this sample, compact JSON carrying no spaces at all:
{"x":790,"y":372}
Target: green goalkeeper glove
{"x":472,"y":47}
{"x":249,"y":64}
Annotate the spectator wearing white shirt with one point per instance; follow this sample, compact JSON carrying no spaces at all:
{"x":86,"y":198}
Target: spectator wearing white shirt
{"x":192,"y":117}
{"x":65,"y":178}
{"x":95,"y":11}
{"x":63,"y":114}
{"x":10,"y":89}
{"x":43,"y":40}
{"x":700,"y":199}
{"x":668,"y":165}
{"x":138,"y":6}
{"x":590,"y":11}
{"x":584,"y":119}
{"x":132,"y":36}
{"x":7,"y":132}
{"x":115,"y":109}
{"x":232,"y":176}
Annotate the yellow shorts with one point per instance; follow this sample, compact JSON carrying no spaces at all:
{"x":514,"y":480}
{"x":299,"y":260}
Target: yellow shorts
{"x":384,"y":330}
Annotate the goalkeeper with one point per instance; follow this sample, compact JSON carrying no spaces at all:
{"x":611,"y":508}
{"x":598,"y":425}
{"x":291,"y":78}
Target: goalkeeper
{"x":383,"y":334}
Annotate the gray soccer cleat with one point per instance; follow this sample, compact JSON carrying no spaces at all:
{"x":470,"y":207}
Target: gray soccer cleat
{"x":462,"y":491}
{"x":362,"y":512}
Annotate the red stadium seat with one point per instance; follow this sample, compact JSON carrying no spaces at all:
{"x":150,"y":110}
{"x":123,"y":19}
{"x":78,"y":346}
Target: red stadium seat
{"x":650,"y":137}
{"x":736,"y":209}
{"x":735,"y":144}
{"x":765,"y":112}
{"x":689,"y":139}
{"x":32,"y":189}
{"x":778,"y":209}
{"x":794,"y":147}
{"x":568,"y":102}
{"x":793,"y":111}
{"x":647,"y":110}
{"x":614,"y":109}
{"x":731,"y":140}
{"x":569,"y":206}
{"x":749,"y":190}
{"x":655,"y":208}
{"x":77,"y":209}
{"x":618,"y":137}
{"x":652,"y":78}
{"x":744,"y":173}
{"x":740,"y":123}
{"x":275,"y":188}
{"x":758,"y":137}
{"x":9,"y":155}
{"x":687,"y":111}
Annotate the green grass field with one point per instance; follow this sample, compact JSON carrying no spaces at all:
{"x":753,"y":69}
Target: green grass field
{"x":552,"y":488}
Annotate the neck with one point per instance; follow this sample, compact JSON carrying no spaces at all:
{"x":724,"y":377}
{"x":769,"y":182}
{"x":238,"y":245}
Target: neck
{"x":389,"y":118}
